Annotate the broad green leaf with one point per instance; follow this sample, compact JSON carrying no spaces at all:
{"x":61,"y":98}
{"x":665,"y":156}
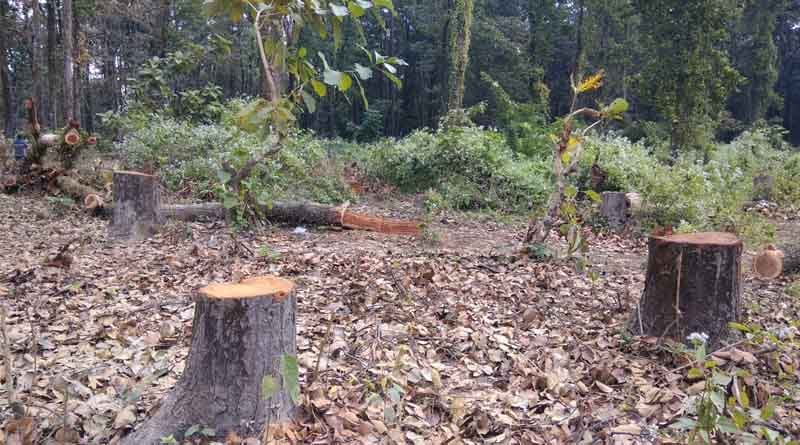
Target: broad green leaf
{"x":389,"y":67}
{"x":739,"y":327}
{"x":345,"y":83}
{"x":269,"y":387}
{"x":769,"y":410}
{"x":594,"y":196}
{"x":617,"y":107}
{"x":397,"y":82}
{"x":570,"y":192}
{"x":291,"y":376}
{"x":739,"y":419}
{"x":565,"y":157}
{"x":385,"y":4}
{"x":356,"y":10}
{"x":363,"y":72}
{"x":319,"y":88}
{"x":684,"y":423}
{"x":695,"y":373}
{"x":332,"y":77}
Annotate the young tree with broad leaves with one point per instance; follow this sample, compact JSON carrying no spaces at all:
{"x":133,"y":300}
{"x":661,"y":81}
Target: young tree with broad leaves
{"x":277,"y":25}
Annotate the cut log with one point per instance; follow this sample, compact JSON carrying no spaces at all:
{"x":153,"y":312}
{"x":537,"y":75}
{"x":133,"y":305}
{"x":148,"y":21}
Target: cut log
{"x":301,"y":213}
{"x":614,"y":209}
{"x":91,"y":198}
{"x":773,"y":262}
{"x":136,"y":205}
{"x":48,"y":139}
{"x":693,"y":284}
{"x":241,"y":335}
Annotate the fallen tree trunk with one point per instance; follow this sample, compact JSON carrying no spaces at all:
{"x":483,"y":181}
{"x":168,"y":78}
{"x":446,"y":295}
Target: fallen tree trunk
{"x":293,"y":213}
{"x":773,"y":262}
{"x":300,"y":213}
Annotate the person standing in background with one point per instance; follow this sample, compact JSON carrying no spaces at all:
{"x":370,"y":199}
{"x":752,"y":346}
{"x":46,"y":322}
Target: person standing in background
{"x":20,"y":148}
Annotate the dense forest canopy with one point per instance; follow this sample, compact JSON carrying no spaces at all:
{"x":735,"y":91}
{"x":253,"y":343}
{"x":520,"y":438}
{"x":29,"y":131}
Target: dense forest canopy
{"x":718,"y":65}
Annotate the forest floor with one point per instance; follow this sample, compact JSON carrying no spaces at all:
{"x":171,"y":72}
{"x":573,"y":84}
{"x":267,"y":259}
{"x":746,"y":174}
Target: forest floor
{"x":446,"y":339}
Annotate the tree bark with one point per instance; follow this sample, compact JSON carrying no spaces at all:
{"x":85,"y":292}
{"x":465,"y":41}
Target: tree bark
{"x":458,"y":41}
{"x":136,"y":205}
{"x":36,"y":51}
{"x":614,"y":209}
{"x":693,"y":284}
{"x":242,"y":333}
{"x":9,"y":121}
{"x":762,"y":187}
{"x":52,"y":70}
{"x":69,"y":60}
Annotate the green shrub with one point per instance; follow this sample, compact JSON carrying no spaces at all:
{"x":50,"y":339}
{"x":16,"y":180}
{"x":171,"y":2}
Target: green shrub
{"x":188,"y":155}
{"x":461,"y":167}
{"x":691,"y":193}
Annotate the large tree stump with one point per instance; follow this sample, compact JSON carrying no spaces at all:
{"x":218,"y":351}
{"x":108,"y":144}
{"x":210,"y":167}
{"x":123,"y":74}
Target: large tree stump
{"x":763,"y":185}
{"x":693,"y":284}
{"x":136,"y":205}
{"x":241,"y":334}
{"x":614,"y":209}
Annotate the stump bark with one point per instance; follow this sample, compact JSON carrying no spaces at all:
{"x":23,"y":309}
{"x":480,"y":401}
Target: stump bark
{"x":614,"y":209}
{"x":241,"y":333}
{"x":136,"y":205}
{"x":763,"y":186}
{"x":693,"y":284}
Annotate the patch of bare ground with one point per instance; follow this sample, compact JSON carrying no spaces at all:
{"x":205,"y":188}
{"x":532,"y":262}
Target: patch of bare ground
{"x":448,"y":340}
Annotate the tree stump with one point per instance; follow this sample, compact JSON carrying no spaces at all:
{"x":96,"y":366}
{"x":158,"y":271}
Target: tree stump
{"x":241,"y":334}
{"x":614,"y":209}
{"x":136,"y":205}
{"x":763,"y":186}
{"x":693,"y":284}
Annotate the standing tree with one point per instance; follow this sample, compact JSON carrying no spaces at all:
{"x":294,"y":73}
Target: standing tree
{"x":69,"y":60}
{"x":52,"y":65}
{"x":567,"y":149}
{"x":755,"y":56}
{"x":457,"y":46}
{"x":686,"y":76}
{"x":5,"y":79}
{"x":36,"y":50}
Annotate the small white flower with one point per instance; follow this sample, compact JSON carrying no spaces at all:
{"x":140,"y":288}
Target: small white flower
{"x":698,"y":337}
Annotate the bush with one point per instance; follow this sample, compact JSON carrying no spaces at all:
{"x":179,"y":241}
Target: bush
{"x":188,"y":156}
{"x":461,"y":168}
{"x":690,"y":193}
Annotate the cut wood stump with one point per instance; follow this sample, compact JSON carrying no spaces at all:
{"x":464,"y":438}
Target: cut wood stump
{"x":614,"y":209}
{"x":774,"y":262}
{"x":693,"y":284}
{"x":763,"y":186}
{"x":136,"y":205}
{"x":241,"y":333}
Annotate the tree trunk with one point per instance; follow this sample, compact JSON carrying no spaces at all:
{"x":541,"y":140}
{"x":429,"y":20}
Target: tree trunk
{"x":9,"y":122}
{"x":458,"y":40}
{"x":36,"y":51}
{"x":614,"y":209}
{"x":242,"y":334}
{"x":52,"y":70}
{"x":79,"y":42}
{"x":693,"y":284}
{"x":136,"y":205}
{"x":69,"y":62}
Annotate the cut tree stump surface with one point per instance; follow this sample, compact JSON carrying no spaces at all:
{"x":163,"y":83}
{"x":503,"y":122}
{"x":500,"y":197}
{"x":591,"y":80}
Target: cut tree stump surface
{"x":693,"y":284}
{"x":241,"y":334}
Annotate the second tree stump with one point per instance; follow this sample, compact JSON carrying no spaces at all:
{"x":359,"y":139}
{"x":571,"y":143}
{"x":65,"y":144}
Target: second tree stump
{"x":242,"y":335}
{"x":693,"y":284}
{"x":136,"y":205}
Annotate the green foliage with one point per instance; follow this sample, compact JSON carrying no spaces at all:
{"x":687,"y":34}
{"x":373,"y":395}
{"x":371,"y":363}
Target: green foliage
{"x":524,"y":124}
{"x":695,"y":195}
{"x":787,"y":184}
{"x":723,"y":412}
{"x":188,"y":156}
{"x":460,"y":168}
